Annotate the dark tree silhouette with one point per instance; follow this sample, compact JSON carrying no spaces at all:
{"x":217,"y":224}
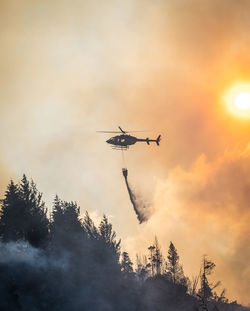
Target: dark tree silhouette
{"x":57,"y":216}
{"x":66,"y":227}
{"x":143,"y":268}
{"x":89,"y":227}
{"x":108,"y":236}
{"x":36,"y":224}
{"x":155,"y":258}
{"x":151,"y":258}
{"x":12,"y":215}
{"x":23,"y":214}
{"x":205,"y":292}
{"x":126,"y":265}
{"x":173,"y":268}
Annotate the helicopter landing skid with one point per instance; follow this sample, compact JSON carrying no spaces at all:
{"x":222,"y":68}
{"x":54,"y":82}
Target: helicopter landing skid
{"x":119,"y":147}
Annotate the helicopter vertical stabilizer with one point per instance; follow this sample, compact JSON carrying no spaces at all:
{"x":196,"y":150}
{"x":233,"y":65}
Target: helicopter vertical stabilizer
{"x":158,"y":140}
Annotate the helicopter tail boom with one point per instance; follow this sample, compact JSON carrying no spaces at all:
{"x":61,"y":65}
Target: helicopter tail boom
{"x":147,"y":140}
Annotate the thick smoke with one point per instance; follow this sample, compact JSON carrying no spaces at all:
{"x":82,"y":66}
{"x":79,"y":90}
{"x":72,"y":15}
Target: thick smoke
{"x":141,"y":208}
{"x":34,"y":279}
{"x":14,"y":252}
{"x":31,"y":279}
{"x":23,"y":253}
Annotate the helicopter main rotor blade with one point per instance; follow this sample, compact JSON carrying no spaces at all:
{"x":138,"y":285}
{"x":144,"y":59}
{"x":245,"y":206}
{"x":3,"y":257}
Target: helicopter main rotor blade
{"x":108,"y":132}
{"x":120,"y":132}
{"x":136,"y":131}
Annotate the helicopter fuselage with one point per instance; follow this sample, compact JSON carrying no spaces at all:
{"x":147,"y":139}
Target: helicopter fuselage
{"x":122,"y":140}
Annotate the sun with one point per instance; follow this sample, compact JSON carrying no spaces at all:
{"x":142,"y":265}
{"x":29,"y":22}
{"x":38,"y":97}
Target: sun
{"x":237,"y":100}
{"x":242,"y":101}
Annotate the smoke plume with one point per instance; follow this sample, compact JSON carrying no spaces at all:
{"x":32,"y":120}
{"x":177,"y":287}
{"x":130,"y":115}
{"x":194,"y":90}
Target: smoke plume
{"x":35,"y":279}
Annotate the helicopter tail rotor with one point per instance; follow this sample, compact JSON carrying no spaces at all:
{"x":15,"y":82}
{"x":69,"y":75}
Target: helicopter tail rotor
{"x":158,"y":140}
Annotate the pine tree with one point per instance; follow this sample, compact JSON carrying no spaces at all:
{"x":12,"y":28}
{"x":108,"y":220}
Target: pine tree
{"x":65,"y":216}
{"x":71,"y":212}
{"x":66,"y":227}
{"x":173,"y":267}
{"x":142,"y":271}
{"x":155,"y":258}
{"x":205,"y":292}
{"x":89,"y":227}
{"x":126,"y":265}
{"x":207,"y":268}
{"x":108,"y":236}
{"x":12,"y":215}
{"x":151,"y":249}
{"x":56,"y":215}
{"x":23,"y":215}
{"x":102,"y":244}
{"x":36,"y":224}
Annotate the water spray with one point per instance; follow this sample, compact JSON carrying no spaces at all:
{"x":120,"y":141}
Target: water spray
{"x":138,"y":205}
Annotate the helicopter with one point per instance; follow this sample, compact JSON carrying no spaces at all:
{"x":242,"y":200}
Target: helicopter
{"x":124,"y":140}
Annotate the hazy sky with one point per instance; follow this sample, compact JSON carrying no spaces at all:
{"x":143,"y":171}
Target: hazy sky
{"x":69,"y":68}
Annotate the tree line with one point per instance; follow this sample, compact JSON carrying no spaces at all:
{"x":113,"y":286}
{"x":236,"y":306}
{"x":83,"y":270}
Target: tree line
{"x":72,"y":264}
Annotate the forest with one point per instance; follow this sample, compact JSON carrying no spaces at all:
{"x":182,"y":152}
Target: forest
{"x":64,"y":262}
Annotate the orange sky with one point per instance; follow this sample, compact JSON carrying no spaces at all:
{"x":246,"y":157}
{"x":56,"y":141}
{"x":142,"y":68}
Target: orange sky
{"x":71,"y":68}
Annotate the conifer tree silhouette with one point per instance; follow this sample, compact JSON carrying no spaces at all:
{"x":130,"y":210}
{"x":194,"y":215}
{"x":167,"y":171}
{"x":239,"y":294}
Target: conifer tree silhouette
{"x":155,"y":258}
{"x":23,"y":214}
{"x":12,"y":215}
{"x":65,"y":228}
{"x":108,"y":236}
{"x":173,"y":267}
{"x":126,"y":265}
{"x":36,"y":223}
